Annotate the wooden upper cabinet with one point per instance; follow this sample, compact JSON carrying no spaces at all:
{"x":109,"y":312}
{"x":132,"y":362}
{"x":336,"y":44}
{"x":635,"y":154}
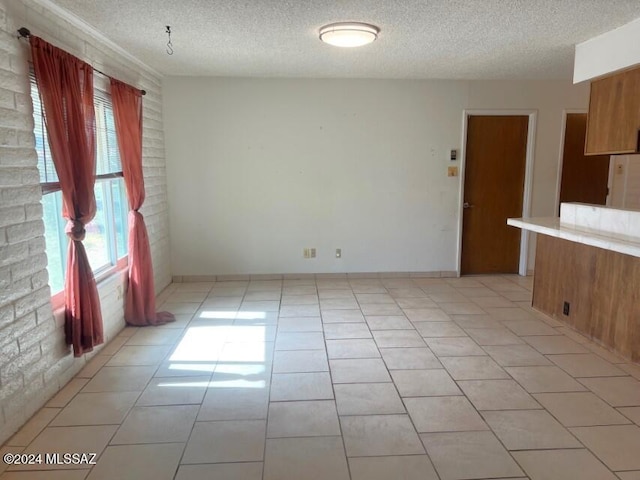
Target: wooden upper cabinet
{"x":613,"y":122}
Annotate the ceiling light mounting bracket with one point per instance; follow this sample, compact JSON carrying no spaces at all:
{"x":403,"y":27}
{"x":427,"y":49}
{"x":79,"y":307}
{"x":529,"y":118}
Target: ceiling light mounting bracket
{"x":169,"y":44}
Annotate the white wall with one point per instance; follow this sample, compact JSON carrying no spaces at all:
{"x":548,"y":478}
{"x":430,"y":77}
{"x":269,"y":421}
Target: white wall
{"x":35,"y":362}
{"x":606,"y":53}
{"x":258,"y":169}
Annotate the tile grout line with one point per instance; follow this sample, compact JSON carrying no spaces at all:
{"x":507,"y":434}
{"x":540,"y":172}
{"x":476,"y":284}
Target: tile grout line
{"x":386,"y":286}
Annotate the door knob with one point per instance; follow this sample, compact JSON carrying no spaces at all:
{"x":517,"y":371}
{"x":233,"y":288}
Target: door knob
{"x":467,"y":205}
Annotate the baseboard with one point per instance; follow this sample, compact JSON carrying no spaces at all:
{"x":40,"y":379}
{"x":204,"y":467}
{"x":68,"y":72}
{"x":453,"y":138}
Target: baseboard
{"x":316,"y":276}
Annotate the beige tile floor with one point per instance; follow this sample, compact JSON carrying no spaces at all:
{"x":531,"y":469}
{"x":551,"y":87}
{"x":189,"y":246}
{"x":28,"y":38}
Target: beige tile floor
{"x":346,"y":378}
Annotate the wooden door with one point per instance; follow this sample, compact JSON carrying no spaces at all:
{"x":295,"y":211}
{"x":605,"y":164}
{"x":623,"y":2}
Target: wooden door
{"x":584,"y":178}
{"x":493,"y":191}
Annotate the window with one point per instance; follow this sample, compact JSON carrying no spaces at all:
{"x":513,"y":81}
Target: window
{"x":106,"y":237}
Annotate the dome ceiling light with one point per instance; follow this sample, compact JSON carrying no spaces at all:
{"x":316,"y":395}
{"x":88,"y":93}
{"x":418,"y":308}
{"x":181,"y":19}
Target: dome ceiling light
{"x":348,"y":34}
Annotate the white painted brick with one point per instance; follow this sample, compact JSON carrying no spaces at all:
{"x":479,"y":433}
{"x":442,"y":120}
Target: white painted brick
{"x":25,"y":231}
{"x":34,"y":375}
{"x":32,"y":301}
{"x":28,"y":266}
{"x":19,"y":64}
{"x":3,"y":237}
{"x":55,"y":341}
{"x":41,"y":278}
{"x":21,"y":195}
{"x":153,"y":110}
{"x":7,"y":315}
{"x":10,"y":388}
{"x":14,"y":82}
{"x":153,"y":142}
{"x":155,"y":172}
{"x":33,"y":211}
{"x":36,"y":335}
{"x":45,"y":394}
{"x":12,"y":215}
{"x":23,"y":103}
{"x":34,"y":371}
{"x":26,"y":138}
{"x":58,"y":317}
{"x":18,"y":289}
{"x":45,"y":314}
{"x":149,"y":151}
{"x":154,"y":182}
{"x":8,"y":351}
{"x":13,"y":253}
{"x":8,"y":137}
{"x":152,"y":96}
{"x":152,"y":162}
{"x":19,"y":157}
{"x":30,"y":176}
{"x":14,"y":404}
{"x":5,"y":277}
{"x":155,"y":200}
{"x":37,"y":245}
{"x":13,"y":418}
{"x":154,"y":209}
{"x":14,"y":330}
{"x":7,"y":97}
{"x":11,"y":371}
{"x":39,"y":327}
{"x":8,"y":42}
{"x":13,"y":119}
{"x":151,"y":133}
{"x":21,"y":364}
{"x":150,"y":122}
{"x":58,"y":368}
{"x":63,"y":378}
{"x":159,"y":191}
{"x":10,"y":177}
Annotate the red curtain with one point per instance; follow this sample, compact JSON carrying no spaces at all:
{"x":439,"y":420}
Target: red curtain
{"x":66,"y":92}
{"x":140,"y":306}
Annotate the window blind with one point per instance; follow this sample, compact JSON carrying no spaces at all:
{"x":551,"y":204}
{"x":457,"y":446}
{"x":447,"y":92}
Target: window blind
{"x":45,"y":160}
{"x":107,"y":154}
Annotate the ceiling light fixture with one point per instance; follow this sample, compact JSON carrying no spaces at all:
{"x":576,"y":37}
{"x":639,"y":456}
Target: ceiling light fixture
{"x":348,"y":34}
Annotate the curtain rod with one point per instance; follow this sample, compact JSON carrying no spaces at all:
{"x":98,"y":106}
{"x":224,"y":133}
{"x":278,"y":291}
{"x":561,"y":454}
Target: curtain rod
{"x":26,"y":33}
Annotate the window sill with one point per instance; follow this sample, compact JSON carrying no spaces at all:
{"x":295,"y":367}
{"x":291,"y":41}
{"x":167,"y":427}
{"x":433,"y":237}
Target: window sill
{"x":57,"y":300}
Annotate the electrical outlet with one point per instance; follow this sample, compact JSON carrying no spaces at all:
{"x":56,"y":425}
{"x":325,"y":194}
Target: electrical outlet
{"x":338,"y":253}
{"x":313,"y":252}
{"x":565,"y":308}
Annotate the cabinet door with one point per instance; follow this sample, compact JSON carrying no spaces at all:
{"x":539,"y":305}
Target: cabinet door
{"x":614,"y":114}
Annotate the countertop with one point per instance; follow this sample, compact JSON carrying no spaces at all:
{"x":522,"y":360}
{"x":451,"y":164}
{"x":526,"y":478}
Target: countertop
{"x":596,"y":238}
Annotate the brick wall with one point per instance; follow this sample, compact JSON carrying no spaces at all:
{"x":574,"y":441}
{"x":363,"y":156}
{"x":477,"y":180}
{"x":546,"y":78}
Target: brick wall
{"x":34,"y":360}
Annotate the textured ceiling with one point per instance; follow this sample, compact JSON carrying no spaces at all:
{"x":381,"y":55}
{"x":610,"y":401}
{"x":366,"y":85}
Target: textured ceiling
{"x":452,"y":39}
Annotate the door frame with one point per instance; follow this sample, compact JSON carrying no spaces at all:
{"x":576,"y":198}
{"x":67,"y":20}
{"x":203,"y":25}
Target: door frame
{"x":563,"y":129}
{"x":612,"y":172}
{"x":528,"y":177}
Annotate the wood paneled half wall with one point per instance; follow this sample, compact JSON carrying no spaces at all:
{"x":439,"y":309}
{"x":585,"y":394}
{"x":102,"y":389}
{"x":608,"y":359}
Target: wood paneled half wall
{"x":602,"y":288}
